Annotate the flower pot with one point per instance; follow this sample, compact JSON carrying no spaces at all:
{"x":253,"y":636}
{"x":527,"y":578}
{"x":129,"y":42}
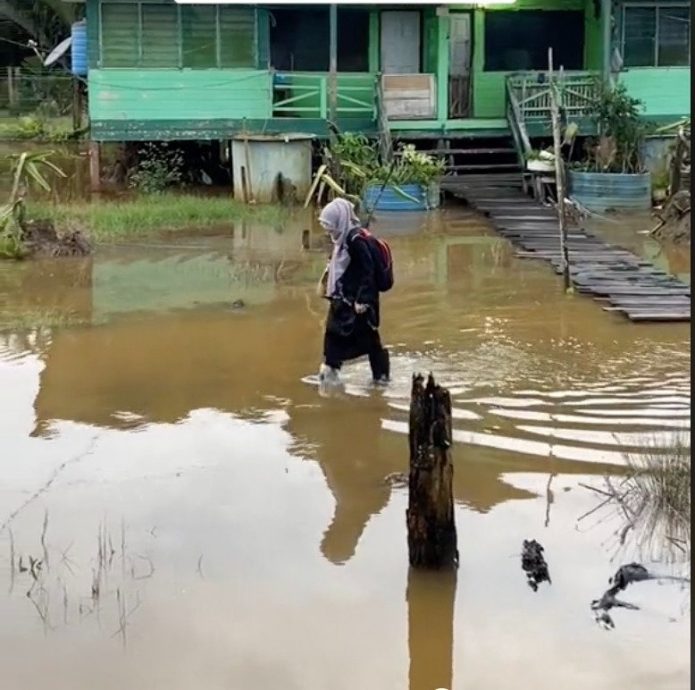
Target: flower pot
{"x":620,"y":191}
{"x":393,"y":198}
{"x":539,"y":165}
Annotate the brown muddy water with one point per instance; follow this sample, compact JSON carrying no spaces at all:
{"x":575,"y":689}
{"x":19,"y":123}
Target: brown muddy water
{"x":206,"y":520}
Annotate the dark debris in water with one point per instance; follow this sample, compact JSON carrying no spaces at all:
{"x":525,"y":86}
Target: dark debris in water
{"x":624,"y":576}
{"x":534,"y":565}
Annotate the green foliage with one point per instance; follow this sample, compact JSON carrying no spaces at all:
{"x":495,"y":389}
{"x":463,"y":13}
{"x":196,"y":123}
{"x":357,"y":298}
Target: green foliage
{"x":46,"y":21}
{"x":158,"y":168}
{"x":412,"y":167}
{"x":35,"y":128}
{"x":661,"y":179}
{"x":107,"y":221}
{"x":27,"y":170}
{"x":356,"y":150}
{"x":355,"y":163}
{"x":48,"y":89}
{"x":621,"y":132}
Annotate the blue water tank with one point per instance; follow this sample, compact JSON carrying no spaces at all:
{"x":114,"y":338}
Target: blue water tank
{"x":405,"y":197}
{"x":80,"y":57}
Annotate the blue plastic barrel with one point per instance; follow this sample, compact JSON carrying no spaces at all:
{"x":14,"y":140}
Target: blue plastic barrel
{"x":620,"y":191}
{"x":78,"y":49}
{"x":394,"y":199}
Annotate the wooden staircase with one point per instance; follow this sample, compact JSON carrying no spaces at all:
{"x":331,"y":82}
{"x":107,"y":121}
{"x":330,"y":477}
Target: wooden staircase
{"x":469,"y":156}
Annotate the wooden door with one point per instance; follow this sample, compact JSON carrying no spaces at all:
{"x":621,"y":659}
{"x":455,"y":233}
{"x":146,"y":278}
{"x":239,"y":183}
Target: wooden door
{"x":400,"y":42}
{"x":460,"y":58}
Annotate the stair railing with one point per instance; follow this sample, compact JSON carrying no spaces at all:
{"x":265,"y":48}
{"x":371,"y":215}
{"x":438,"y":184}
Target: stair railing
{"x":522,"y":142}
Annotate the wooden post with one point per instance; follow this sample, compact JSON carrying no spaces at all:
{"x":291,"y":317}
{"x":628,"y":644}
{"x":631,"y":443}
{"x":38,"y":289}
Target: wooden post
{"x":559,"y":172}
{"x":95,"y":166}
{"x":76,"y":105}
{"x":431,"y":597}
{"x":333,"y":68}
{"x":244,"y":187}
{"x":11,"y":92}
{"x":677,"y":163}
{"x":606,"y":17}
{"x":430,"y":513}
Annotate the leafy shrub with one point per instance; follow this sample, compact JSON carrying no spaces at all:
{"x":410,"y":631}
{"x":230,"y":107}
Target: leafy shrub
{"x":621,"y":132}
{"x":158,"y":168}
{"x":358,"y":163}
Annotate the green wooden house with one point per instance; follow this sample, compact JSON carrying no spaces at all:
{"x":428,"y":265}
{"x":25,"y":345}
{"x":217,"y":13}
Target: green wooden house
{"x":166,"y":71}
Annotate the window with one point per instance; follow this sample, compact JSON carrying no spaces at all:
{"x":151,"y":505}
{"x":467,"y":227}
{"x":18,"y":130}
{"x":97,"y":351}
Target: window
{"x":291,"y":51}
{"x":237,"y":37}
{"x":152,"y":34}
{"x":353,"y":40}
{"x":160,"y":36}
{"x":656,"y":36}
{"x":119,"y":44}
{"x":519,"y":40}
{"x":198,"y":36}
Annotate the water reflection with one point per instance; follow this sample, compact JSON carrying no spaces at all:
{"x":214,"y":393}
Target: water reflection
{"x":431,"y":597}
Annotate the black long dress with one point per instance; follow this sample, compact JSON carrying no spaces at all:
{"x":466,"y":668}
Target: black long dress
{"x":350,"y":335}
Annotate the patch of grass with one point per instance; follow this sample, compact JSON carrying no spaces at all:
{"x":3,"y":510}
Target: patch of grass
{"x":105,"y":221}
{"x":31,"y":128}
{"x":37,"y":319}
{"x":650,"y":502}
{"x":656,"y":493}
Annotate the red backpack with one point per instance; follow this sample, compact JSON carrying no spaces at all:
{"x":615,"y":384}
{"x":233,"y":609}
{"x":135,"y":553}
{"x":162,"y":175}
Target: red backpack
{"x":383,"y":260}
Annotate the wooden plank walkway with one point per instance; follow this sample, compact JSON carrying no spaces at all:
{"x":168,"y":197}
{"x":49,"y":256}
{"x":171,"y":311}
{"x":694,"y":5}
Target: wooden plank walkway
{"x":616,"y":277}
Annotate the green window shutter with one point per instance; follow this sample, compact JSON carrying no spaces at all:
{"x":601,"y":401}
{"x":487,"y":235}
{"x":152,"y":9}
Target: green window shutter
{"x":93,"y":17}
{"x":237,"y":37}
{"x":199,"y":36}
{"x":640,"y":36}
{"x":119,"y":35}
{"x":263,"y":48}
{"x":160,"y":36}
{"x":674,"y":36}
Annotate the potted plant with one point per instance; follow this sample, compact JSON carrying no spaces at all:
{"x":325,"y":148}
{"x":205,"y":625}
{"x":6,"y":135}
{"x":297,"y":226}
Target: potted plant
{"x":409,"y":183}
{"x":612,"y":175}
{"x":540,"y":161}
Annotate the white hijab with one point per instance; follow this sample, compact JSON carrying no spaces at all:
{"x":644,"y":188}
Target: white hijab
{"x":338,"y":219}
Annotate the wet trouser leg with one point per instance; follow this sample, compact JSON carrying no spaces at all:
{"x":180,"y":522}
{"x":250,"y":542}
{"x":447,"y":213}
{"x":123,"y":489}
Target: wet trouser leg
{"x":379,"y":360}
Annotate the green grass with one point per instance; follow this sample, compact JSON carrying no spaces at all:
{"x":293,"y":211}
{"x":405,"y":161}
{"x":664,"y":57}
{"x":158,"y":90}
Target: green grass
{"x":31,"y":128}
{"x":656,"y":494}
{"x":105,"y":221}
{"x":29,"y":319}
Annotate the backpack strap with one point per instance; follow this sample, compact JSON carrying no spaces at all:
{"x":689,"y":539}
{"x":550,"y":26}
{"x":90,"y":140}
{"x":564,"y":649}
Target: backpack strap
{"x":354,"y":233}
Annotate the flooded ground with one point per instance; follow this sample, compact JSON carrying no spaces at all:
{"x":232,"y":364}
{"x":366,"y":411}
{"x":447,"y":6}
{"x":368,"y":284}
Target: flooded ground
{"x":632,"y":231}
{"x":206,"y":520}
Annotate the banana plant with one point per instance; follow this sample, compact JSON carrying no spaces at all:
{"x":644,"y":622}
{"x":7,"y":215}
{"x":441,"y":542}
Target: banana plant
{"x":28,"y":169}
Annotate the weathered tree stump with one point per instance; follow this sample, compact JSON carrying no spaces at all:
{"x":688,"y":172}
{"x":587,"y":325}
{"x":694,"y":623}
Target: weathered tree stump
{"x":430,"y":513}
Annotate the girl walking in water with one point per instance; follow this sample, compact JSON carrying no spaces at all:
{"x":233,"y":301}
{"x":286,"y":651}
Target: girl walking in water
{"x":350,"y":283}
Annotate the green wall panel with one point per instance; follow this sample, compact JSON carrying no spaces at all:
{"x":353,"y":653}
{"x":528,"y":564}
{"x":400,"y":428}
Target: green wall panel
{"x":125,"y":94}
{"x":665,"y":91}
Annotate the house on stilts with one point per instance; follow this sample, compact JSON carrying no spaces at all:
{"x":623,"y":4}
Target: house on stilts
{"x":465,"y":79}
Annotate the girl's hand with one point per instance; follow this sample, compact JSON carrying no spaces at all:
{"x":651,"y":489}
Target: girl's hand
{"x":360,"y":308}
